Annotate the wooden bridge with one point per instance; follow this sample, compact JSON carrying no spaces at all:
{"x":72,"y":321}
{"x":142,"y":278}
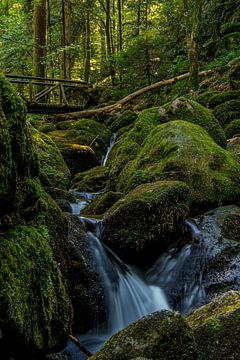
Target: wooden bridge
{"x":50,"y":95}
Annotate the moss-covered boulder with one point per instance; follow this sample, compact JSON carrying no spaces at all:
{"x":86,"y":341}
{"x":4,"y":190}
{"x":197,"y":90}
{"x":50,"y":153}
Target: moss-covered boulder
{"x":102,"y":203}
{"x":146,"y":221}
{"x":84,"y":132}
{"x":179,"y":150}
{"x":35,"y":310}
{"x":227,"y":112}
{"x":53,"y":169}
{"x":234,"y":147}
{"x":79,"y":157}
{"x":216,"y":327}
{"x":91,"y":180}
{"x":189,"y":110}
{"x":47,"y":127}
{"x":124,"y":118}
{"x":233,"y":129}
{"x":163,"y":335}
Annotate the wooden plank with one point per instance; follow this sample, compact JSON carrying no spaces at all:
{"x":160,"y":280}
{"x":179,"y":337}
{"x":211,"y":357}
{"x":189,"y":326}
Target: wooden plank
{"x":48,"y":79}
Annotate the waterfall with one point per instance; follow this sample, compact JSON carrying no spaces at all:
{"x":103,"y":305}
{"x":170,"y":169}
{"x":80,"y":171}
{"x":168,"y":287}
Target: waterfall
{"x":110,"y":146}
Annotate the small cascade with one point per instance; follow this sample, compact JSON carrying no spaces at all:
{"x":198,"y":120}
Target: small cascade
{"x":83,"y":199}
{"x":110,"y":146}
{"x":180,"y":272}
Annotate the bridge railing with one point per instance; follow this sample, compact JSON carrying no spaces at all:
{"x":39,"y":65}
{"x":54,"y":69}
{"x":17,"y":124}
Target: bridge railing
{"x":50,"y":91}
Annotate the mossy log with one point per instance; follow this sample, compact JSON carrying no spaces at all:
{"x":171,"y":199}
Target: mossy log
{"x":119,"y":104}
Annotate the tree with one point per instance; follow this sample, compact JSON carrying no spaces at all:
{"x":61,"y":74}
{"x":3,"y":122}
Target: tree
{"x":66,"y":40}
{"x":39,"y":48}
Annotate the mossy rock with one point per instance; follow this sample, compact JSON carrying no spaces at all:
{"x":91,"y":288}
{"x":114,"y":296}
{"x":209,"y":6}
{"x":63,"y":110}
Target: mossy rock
{"x":234,"y":75}
{"x":84,"y":132}
{"x":92,"y":180}
{"x":179,"y":150}
{"x":230,"y":228}
{"x":161,"y":335}
{"x":145,"y":222}
{"x":233,"y":129}
{"x":234,"y":147}
{"x":222,"y":97}
{"x":53,"y":169}
{"x":205,"y":97}
{"x":129,"y":145}
{"x":102,"y":203}
{"x":123,"y":119}
{"x":227,"y":112}
{"x":35,"y":310}
{"x":79,"y":157}
{"x":191,"y":111}
{"x":47,"y":127}
{"x":216,"y":327}
{"x":65,"y":125}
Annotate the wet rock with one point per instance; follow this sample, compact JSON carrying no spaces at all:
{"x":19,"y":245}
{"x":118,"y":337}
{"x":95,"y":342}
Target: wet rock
{"x":161,"y":335}
{"x":64,"y":205}
{"x":146,"y":221}
{"x":92,"y":180}
{"x":102,"y":203}
{"x":216,"y":327}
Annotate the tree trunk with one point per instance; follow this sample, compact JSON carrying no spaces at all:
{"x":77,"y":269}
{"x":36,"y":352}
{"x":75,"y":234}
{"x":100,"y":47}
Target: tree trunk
{"x":119,"y":104}
{"x":39,"y":49}
{"x":194,"y":46}
{"x":108,"y":41}
{"x":66,"y":39}
{"x":120,"y":38}
{"x":87,"y":47}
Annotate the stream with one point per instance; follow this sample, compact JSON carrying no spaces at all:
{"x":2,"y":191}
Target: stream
{"x":174,"y":281}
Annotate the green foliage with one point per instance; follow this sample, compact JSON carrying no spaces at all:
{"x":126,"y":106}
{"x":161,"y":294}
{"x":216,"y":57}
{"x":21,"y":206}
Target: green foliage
{"x":227,"y":112}
{"x":233,"y":129}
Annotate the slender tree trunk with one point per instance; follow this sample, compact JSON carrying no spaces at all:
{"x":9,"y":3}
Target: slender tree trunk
{"x":120,"y":38}
{"x":147,"y":57}
{"x":39,"y":49}
{"x":49,"y":38}
{"x":136,"y":29}
{"x":194,"y":46}
{"x":103,"y":47}
{"x":66,"y":39}
{"x":87,"y":46}
{"x":108,"y":40}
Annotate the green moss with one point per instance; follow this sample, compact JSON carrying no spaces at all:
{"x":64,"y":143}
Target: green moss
{"x":102,"y":203}
{"x":183,"y":151}
{"x":47,"y":127}
{"x":222,"y":97}
{"x":147,"y":220}
{"x":162,"y":335}
{"x":191,"y":111}
{"x":234,"y":147}
{"x":205,"y":97}
{"x":34,"y":305}
{"x":53,"y":169}
{"x":216,"y":327}
{"x":231,"y":227}
{"x":233,"y":129}
{"x":227,"y":112}
{"x":64,"y":125}
{"x":124,"y":118}
{"x":92,"y":180}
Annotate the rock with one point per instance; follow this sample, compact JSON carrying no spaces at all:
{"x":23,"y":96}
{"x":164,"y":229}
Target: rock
{"x":64,"y":205}
{"x":161,"y":335}
{"x":227,"y":112}
{"x":216,"y":327}
{"x":46,"y":127}
{"x":53,"y":169}
{"x":84,"y":284}
{"x":79,"y":157}
{"x":233,"y":129}
{"x":102,"y":203}
{"x":179,"y":150}
{"x":35,"y":310}
{"x":57,"y":194}
{"x":234,"y":147}
{"x":85,"y":132}
{"x":91,"y":180}
{"x":146,"y":221}
{"x":191,"y":111}
{"x":125,"y":118}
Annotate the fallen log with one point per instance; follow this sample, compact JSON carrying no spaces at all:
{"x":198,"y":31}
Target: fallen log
{"x":80,"y":346}
{"x":119,"y":104}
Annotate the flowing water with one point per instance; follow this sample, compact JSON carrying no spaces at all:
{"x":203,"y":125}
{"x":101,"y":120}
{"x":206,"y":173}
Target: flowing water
{"x":110,"y":146}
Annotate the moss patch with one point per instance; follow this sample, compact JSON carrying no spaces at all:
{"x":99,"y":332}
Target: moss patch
{"x":227,"y":112}
{"x":162,"y":335}
{"x":233,"y":129}
{"x":102,"y":203}
{"x":183,"y":151}
{"x":216,"y":327}
{"x":147,"y":220}
{"x":92,"y":180}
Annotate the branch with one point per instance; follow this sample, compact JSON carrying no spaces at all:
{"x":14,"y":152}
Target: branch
{"x":80,"y":346}
{"x":119,"y":104}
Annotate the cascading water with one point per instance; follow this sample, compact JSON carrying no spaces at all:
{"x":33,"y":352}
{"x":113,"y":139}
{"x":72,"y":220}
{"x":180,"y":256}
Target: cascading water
{"x":110,"y":146}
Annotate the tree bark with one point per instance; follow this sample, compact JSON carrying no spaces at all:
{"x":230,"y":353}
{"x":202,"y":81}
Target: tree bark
{"x":108,"y":41}
{"x":194,"y":46}
{"x":39,"y":49}
{"x":66,"y":39}
{"x":119,"y":104}
{"x":87,"y":47}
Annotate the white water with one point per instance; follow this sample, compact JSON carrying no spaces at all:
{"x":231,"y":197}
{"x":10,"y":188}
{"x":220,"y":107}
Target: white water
{"x":110,"y":146}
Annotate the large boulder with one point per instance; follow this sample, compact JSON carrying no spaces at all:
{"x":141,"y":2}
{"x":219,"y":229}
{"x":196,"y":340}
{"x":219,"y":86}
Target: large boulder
{"x":163,"y":335}
{"x":102,"y":203}
{"x":179,"y":150}
{"x":234,"y":147}
{"x":189,"y":110}
{"x":216,"y":327}
{"x":35,"y":310}
{"x":146,"y":221}
{"x":53,"y":169}
{"x":91,"y":180}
